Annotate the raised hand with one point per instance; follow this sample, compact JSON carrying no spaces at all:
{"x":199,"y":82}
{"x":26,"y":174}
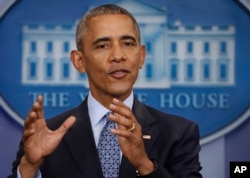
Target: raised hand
{"x":38,"y":140}
{"x":130,"y":137}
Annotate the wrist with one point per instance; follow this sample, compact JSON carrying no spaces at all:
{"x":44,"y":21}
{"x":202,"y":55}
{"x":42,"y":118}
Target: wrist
{"x":146,"y":168}
{"x":27,"y":169}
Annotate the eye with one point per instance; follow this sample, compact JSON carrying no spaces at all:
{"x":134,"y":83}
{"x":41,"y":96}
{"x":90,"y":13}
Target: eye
{"x":128,"y":43}
{"x":103,"y":46}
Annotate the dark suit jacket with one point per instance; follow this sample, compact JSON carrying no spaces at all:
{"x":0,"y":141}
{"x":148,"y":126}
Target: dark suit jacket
{"x":174,"y":145}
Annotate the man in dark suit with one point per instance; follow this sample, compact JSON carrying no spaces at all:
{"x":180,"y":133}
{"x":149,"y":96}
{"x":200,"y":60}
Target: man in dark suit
{"x":151,"y":143}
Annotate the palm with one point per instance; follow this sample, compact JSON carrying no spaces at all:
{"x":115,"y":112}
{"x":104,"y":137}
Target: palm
{"x":38,"y":140}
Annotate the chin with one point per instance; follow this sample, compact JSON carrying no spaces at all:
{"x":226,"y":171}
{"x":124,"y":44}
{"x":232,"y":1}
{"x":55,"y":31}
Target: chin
{"x":120,"y":91}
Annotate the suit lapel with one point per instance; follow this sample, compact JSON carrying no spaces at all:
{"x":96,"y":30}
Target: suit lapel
{"x":83,"y":150}
{"x":150,"y":134}
{"x":150,"y":130}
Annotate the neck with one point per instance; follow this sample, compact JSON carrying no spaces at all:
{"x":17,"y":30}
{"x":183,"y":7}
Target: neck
{"x":106,"y":99}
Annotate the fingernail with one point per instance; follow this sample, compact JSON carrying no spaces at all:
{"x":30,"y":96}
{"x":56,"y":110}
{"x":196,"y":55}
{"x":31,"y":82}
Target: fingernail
{"x":115,"y":100}
{"x":112,"y":106}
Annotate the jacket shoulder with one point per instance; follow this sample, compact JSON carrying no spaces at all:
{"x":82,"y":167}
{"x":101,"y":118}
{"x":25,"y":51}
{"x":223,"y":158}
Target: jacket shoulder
{"x":171,"y":122}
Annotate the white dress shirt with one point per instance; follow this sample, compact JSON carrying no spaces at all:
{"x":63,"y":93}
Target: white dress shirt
{"x":97,"y":111}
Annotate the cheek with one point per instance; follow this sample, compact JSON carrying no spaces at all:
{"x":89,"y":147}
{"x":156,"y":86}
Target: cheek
{"x":93,"y":63}
{"x":96,"y":71}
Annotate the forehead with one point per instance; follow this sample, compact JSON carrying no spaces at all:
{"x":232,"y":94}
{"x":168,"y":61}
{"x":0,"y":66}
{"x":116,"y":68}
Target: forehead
{"x":111,"y":25}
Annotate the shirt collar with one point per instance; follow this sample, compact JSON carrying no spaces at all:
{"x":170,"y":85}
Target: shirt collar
{"x":97,"y":110}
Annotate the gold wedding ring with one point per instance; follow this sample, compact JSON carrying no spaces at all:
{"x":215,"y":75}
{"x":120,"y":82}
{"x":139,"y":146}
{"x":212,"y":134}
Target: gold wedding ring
{"x":132,"y":128}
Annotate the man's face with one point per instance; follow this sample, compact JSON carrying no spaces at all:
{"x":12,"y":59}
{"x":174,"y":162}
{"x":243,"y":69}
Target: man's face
{"x":112,"y":55}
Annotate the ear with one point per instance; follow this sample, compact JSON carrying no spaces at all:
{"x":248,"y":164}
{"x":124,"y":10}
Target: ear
{"x":142,"y":56}
{"x":77,"y":60}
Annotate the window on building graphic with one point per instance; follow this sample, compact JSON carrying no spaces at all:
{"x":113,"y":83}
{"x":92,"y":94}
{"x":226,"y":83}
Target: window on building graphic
{"x":82,"y":76}
{"x":173,"y":47}
{"x":50,"y":27}
{"x":189,"y":47}
{"x":223,"y":47}
{"x":174,"y":66}
{"x":66,"y":47}
{"x":149,"y":47}
{"x":190,"y":27}
{"x":49,"y":68}
{"x":190,"y":69}
{"x":33,"y":47}
{"x":149,"y":71}
{"x":206,"y":47}
{"x":223,"y":27}
{"x":67,"y":27}
{"x":173,"y":28}
{"x":33,"y":27}
{"x":207,"y":28}
{"x":223,"y":69}
{"x":206,"y":69}
{"x":49,"y":47}
{"x":65,"y":68}
{"x":32,"y":68}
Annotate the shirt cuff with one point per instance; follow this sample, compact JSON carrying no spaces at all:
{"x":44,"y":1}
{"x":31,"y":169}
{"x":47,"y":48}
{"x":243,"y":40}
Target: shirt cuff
{"x":38,"y":174}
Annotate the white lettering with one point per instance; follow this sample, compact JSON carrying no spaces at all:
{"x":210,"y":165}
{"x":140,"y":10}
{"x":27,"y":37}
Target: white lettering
{"x":182,"y":100}
{"x":83,"y":96}
{"x":240,"y":169}
{"x":243,"y":169}
{"x":60,"y":99}
{"x":212,"y":100}
{"x":166,"y":100}
{"x":195,"y":100}
{"x":237,"y":169}
{"x":34,"y":96}
{"x":142,"y":97}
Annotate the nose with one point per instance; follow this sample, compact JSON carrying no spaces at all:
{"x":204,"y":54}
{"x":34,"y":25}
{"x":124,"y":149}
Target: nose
{"x":117,"y":54}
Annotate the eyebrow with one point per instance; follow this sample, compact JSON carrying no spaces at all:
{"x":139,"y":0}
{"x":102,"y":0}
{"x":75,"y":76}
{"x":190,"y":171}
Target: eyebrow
{"x":105,"y":39}
{"x":128,"y":37}
{"x":98,"y":40}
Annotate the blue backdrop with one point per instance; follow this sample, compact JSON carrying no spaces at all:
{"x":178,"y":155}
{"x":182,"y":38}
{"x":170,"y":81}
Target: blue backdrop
{"x":197,"y":66}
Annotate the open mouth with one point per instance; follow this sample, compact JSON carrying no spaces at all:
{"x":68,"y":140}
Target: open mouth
{"x":119,"y":73}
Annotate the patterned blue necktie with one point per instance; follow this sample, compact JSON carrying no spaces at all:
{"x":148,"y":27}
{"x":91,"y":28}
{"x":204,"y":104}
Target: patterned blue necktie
{"x":108,"y":150}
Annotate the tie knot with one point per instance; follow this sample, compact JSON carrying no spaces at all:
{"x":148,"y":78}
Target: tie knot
{"x":109,"y":123}
{"x":107,"y":114}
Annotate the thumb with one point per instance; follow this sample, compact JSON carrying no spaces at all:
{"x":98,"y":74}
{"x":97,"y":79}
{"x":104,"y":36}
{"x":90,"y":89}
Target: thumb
{"x":67,"y":124}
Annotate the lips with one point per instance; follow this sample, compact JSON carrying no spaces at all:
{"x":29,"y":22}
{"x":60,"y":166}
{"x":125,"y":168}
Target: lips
{"x":118,"y":73}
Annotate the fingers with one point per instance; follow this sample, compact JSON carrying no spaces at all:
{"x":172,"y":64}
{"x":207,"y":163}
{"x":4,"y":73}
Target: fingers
{"x":124,"y":118}
{"x":35,"y":113}
{"x":38,"y":107}
{"x":67,"y":124}
{"x":120,"y":108}
{"x":122,"y":114}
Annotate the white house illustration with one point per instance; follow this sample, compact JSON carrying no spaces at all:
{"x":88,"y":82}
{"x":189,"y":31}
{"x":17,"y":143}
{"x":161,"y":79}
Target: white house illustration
{"x":177,"y":55}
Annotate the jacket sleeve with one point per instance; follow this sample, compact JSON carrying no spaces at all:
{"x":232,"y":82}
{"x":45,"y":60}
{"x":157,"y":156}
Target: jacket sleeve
{"x":16,"y":163}
{"x":183,"y":161}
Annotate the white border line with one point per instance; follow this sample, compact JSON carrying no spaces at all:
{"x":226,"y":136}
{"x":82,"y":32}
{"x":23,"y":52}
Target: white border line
{"x":5,"y":5}
{"x":246,"y":3}
{"x":226,"y":129}
{"x":11,"y":113}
